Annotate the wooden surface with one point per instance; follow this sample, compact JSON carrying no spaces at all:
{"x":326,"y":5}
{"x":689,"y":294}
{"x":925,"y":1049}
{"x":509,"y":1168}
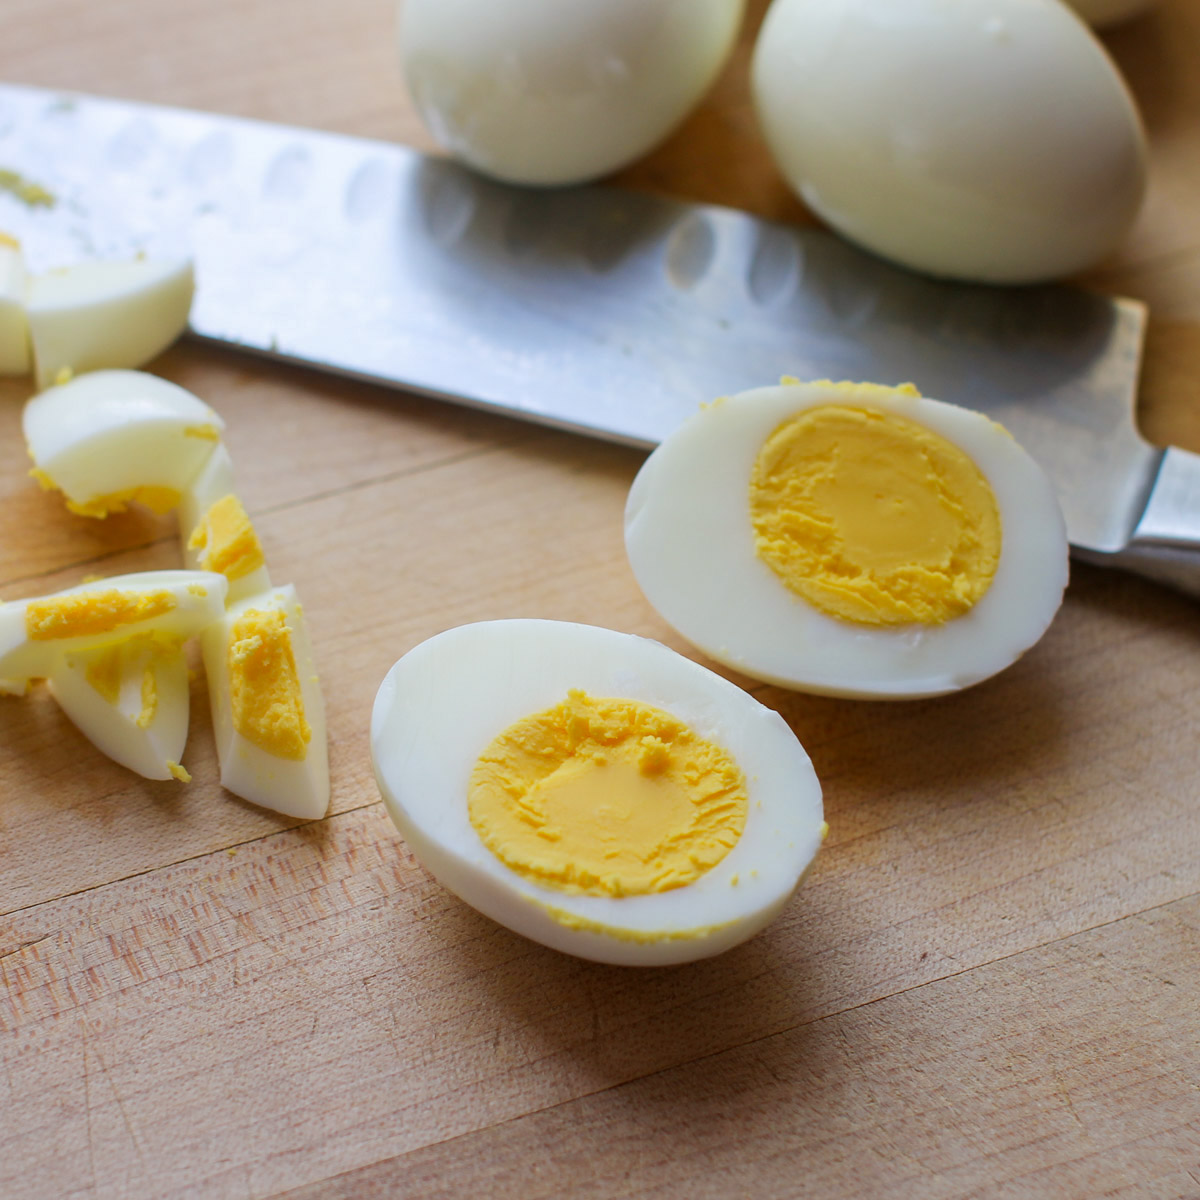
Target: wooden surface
{"x":986,"y":988}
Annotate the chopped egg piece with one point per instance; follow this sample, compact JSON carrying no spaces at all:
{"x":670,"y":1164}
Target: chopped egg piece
{"x":111,"y":438}
{"x":222,"y":536}
{"x":849,"y":539}
{"x":207,"y":486}
{"x":91,"y":315}
{"x":35,"y":633}
{"x":267,"y":710}
{"x":14,"y":324}
{"x":130,"y":700}
{"x":595,"y":791}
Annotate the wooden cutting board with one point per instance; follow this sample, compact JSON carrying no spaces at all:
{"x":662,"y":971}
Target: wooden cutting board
{"x":986,"y":988}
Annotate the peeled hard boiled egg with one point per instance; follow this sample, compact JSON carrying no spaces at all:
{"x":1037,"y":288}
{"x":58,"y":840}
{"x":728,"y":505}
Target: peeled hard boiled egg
{"x":995,"y":143}
{"x":545,"y":92}
{"x":107,"y":438}
{"x":594,"y":791}
{"x":848,"y":539}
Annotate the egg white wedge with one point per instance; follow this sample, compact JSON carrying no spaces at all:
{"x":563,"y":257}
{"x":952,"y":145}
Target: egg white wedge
{"x":106,"y":314}
{"x":216,"y":534}
{"x":111,"y":437}
{"x":267,"y":712}
{"x":35,"y":633}
{"x":14,"y":324}
{"x":130,"y":700}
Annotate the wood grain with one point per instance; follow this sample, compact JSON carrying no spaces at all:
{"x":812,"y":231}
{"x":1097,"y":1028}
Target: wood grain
{"x":985,"y":989}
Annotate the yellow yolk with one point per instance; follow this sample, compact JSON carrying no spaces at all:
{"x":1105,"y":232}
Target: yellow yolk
{"x":149,"y":699}
{"x":88,"y":614}
{"x":206,"y":433}
{"x":873,"y":518}
{"x":104,"y":674}
{"x":606,"y":797}
{"x":230,"y":545}
{"x":264,"y":689}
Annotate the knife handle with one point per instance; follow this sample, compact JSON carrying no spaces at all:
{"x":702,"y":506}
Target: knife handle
{"x":1165,"y":545}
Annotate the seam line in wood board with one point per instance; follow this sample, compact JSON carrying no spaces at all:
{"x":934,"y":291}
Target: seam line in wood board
{"x":284,"y":506}
{"x":178,"y":862}
{"x":736,"y":1047}
{"x":1136,"y":914}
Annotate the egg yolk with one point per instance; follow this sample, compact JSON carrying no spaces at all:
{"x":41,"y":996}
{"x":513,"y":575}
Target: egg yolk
{"x":873,"y":518}
{"x":606,"y":797}
{"x":89,"y":614}
{"x":230,"y":544}
{"x":159,"y":500}
{"x":264,"y":687}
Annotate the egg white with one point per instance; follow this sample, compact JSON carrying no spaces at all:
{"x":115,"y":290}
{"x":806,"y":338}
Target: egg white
{"x":690,"y":541}
{"x":96,"y":314}
{"x":442,"y":704}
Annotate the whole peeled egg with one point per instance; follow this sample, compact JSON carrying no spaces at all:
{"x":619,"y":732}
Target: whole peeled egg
{"x":992,"y":141}
{"x":545,"y":92}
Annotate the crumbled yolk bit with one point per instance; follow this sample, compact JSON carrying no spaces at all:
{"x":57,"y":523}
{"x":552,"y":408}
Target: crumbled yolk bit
{"x":264,"y":688}
{"x":208,"y":433}
{"x":107,"y":670}
{"x":641,"y":937}
{"x":104,"y":674}
{"x":230,"y":544}
{"x":607,"y":797}
{"x":873,"y":518}
{"x":145,"y":718}
{"x":181,"y":773}
{"x":88,"y":614}
{"x":159,"y":500}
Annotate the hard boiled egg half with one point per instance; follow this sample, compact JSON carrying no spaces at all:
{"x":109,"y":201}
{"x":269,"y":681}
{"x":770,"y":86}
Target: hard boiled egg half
{"x":594,"y":791}
{"x":848,"y":539}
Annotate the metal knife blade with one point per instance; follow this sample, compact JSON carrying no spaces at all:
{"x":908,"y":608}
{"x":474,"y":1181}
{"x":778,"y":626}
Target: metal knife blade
{"x":594,"y":309}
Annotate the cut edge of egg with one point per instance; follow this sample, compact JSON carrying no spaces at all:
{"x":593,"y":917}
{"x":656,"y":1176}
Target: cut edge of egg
{"x":294,"y":787}
{"x":912,"y":662}
{"x":113,"y":437}
{"x":106,"y":314}
{"x":664,"y":927}
{"x":143,"y":729}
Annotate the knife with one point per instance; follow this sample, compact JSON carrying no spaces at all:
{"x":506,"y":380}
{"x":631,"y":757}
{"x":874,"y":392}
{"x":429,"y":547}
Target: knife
{"x":606,"y":312}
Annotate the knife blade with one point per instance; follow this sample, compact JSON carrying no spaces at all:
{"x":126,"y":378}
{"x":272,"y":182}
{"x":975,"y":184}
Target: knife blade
{"x":607,"y":312}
